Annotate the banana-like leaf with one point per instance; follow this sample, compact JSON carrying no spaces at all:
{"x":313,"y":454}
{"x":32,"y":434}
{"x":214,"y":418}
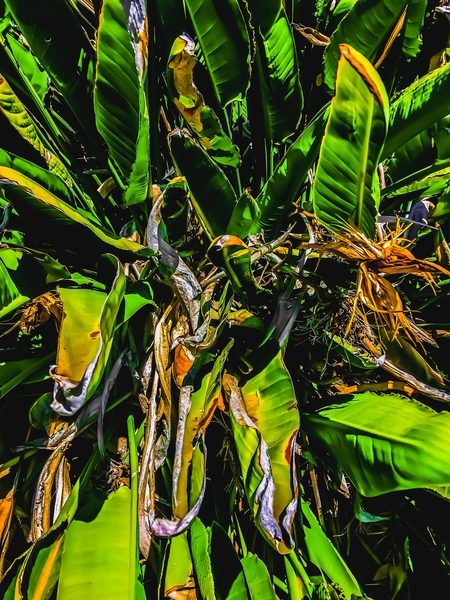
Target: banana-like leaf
{"x":423,"y":103}
{"x":10,"y":297}
{"x":415,"y":15}
{"x":13,"y":373}
{"x":228,"y":575}
{"x":222,"y":34}
{"x":346,"y":189}
{"x":39,"y":573}
{"x":45,"y":178}
{"x":178,"y":573}
{"x":385,"y":443}
{"x":325,"y":556}
{"x":42,"y":209}
{"x":245,"y":217}
{"x":100,"y":551}
{"x":17,"y":115}
{"x":283,"y":187}
{"x":119,"y":100}
{"x":28,"y":65}
{"x":195,"y":413}
{"x":212,"y":195}
{"x":276,"y":61}
{"x":364,"y":28}
{"x":84,"y":342}
{"x":199,"y":542}
{"x":69,"y":63}
{"x":190,"y":102}
{"x":257,"y":578}
{"x":265,"y":423}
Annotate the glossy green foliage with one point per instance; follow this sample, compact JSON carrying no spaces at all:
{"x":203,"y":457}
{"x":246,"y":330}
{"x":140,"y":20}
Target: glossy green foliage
{"x":100,"y":551}
{"x":385,"y":443}
{"x":346,"y":189}
{"x":221,"y":31}
{"x":120,"y":104}
{"x":366,"y":27}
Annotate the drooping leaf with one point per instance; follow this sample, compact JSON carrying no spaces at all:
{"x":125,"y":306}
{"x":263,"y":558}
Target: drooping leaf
{"x":265,"y":423}
{"x":100,"y":551}
{"x":42,"y":209}
{"x":346,"y":189}
{"x":225,"y":44}
{"x":206,"y":182}
{"x":364,"y":28}
{"x":12,"y":373}
{"x":120,"y":104}
{"x":385,"y":443}
{"x":190,"y":102}
{"x":84,"y":342}
{"x":423,"y":103}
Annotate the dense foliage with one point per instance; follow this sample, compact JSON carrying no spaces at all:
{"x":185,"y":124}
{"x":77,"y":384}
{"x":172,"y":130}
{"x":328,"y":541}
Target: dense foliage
{"x":223,"y":368}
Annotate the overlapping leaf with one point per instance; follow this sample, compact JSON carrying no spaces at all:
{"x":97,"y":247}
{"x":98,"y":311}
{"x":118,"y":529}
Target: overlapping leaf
{"x":385,"y":443}
{"x":346,"y":189}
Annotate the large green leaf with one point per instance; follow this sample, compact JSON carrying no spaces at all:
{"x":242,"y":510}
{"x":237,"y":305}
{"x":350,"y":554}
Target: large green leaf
{"x":222,"y":35}
{"x":84,"y":342}
{"x":100,"y":551}
{"x":346,"y":191}
{"x":199,"y":542}
{"x":50,"y":217}
{"x":423,"y":103}
{"x":120,"y":104}
{"x":280,"y":94}
{"x":265,"y":423}
{"x":415,"y":15}
{"x":68,"y":60}
{"x":283,"y":187}
{"x":385,"y":443}
{"x":325,"y":556}
{"x":28,"y":64}
{"x":364,"y":28}
{"x":257,"y":578}
{"x":211,"y":192}
{"x":18,"y":116}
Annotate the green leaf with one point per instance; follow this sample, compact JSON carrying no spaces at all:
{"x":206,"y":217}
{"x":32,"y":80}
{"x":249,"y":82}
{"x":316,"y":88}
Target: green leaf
{"x":222,"y":34}
{"x":229,"y":579}
{"x":257,"y":578}
{"x":283,"y":187}
{"x":365,"y":28}
{"x":280,"y":94}
{"x":190,"y":102}
{"x":265,"y":422}
{"x":179,"y":565}
{"x":42,"y":210}
{"x":100,"y":551}
{"x":84,"y":342}
{"x":10,"y":297}
{"x":325,"y":556}
{"x":385,"y":443}
{"x":45,"y":178}
{"x":70,"y":61}
{"x":12,"y":373}
{"x":346,"y":189}
{"x":245,"y":217}
{"x":18,"y":116}
{"x":33,"y":72}
{"x":120,"y":105}
{"x":412,"y":39}
{"x":40,"y":571}
{"x":199,"y":542}
{"x":423,"y":103}
{"x":205,"y":180}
